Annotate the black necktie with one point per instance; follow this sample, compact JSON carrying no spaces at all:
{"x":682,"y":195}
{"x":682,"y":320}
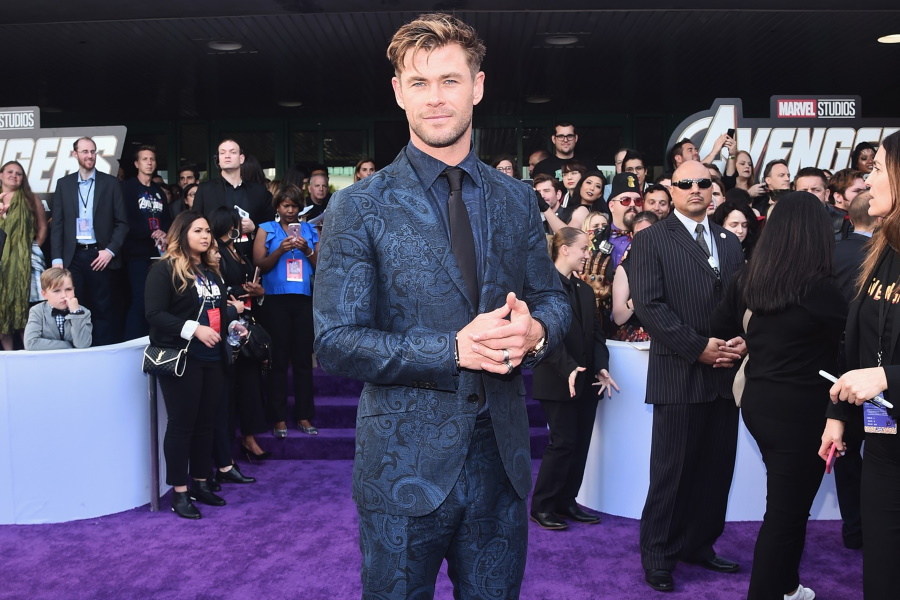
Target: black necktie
{"x":701,"y":240}
{"x":57,"y":312}
{"x":462,"y":242}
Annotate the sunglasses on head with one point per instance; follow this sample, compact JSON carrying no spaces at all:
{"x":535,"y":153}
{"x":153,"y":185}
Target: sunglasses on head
{"x":686,"y":184}
{"x":628,"y":201}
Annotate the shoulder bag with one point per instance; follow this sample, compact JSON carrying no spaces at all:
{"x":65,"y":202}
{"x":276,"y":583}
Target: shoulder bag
{"x":159,"y":360}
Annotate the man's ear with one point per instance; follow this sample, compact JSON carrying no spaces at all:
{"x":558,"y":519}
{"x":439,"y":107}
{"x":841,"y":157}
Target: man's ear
{"x":398,"y":95}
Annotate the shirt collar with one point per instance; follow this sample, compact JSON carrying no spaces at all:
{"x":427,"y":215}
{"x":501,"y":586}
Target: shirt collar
{"x":691,"y":225}
{"x":93,"y":175}
{"x":428,"y":168}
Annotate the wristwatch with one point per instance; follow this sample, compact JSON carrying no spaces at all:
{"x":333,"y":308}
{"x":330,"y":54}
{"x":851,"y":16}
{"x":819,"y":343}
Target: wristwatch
{"x":540,"y":344}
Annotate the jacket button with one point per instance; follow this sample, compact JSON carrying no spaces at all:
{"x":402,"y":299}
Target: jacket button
{"x":473,"y":398}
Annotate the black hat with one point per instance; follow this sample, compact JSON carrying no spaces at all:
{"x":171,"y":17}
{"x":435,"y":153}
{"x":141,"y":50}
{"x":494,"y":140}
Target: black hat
{"x":624,"y":182}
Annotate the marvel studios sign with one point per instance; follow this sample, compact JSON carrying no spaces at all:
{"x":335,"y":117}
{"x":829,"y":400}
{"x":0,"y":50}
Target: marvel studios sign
{"x":20,"y":117}
{"x":816,"y":108}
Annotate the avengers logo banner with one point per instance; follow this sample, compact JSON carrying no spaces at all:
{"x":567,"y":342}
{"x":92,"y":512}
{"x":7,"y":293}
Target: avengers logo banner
{"x":46,"y":154}
{"x":807,"y":131}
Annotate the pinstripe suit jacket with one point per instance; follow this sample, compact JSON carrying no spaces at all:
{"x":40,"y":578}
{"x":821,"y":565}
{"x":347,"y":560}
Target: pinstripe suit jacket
{"x":674,"y":290}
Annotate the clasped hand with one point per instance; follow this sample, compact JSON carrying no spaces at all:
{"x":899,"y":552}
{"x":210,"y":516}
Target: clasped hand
{"x":509,"y":328}
{"x":721,"y":353}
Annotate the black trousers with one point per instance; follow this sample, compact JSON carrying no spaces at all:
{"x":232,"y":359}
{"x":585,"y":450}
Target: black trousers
{"x":788,"y":430}
{"x":135,"y":321}
{"x":848,"y":479}
{"x":289,"y":320}
{"x":94,"y":289}
{"x":881,"y":515}
{"x":244,"y":393}
{"x":691,"y":465}
{"x":191,"y":402}
{"x":562,"y":466}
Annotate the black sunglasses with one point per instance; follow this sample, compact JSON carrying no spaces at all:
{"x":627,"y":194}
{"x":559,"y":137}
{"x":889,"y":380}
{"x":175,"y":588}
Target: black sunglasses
{"x":686,"y":184}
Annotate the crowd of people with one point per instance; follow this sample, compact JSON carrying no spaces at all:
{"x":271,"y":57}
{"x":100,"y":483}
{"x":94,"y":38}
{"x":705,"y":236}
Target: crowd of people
{"x":711,"y":265}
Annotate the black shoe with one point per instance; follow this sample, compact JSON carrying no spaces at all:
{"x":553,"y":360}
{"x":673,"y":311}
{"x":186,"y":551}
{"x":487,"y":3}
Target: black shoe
{"x":233,"y":475}
{"x":183,"y":507}
{"x":548,"y":521}
{"x":659,"y":579}
{"x":252,"y":457}
{"x":213,"y":483}
{"x":718,"y":564}
{"x":576,"y":513}
{"x":200,"y":492}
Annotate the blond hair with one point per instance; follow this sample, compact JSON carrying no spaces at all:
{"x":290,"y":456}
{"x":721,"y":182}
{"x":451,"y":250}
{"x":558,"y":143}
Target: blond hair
{"x":435,"y":30}
{"x":53,"y":277}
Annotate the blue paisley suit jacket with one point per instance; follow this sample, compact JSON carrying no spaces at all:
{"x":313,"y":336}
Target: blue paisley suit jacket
{"x":389,"y":298}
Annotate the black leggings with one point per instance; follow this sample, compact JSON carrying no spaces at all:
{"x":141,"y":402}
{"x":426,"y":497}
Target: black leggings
{"x":191,"y":402}
{"x":289,"y":321}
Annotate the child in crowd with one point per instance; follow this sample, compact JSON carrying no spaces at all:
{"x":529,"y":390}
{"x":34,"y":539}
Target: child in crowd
{"x":58,"y":323}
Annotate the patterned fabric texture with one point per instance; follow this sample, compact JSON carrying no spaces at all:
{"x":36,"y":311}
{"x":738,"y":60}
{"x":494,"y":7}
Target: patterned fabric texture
{"x":15,"y":264}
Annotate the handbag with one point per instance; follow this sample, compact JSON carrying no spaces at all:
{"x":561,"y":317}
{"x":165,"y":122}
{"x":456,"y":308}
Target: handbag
{"x":258,"y":344}
{"x":740,"y":380}
{"x":159,"y":360}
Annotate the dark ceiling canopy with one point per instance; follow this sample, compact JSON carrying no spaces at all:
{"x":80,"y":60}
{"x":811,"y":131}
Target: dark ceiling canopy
{"x":151,"y":60}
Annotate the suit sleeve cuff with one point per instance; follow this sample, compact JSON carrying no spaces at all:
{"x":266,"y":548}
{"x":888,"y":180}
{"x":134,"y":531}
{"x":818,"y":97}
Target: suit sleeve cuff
{"x":188,"y":329}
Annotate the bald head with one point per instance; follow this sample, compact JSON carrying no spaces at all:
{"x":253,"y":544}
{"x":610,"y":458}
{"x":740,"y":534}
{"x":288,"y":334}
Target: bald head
{"x":691,"y":202}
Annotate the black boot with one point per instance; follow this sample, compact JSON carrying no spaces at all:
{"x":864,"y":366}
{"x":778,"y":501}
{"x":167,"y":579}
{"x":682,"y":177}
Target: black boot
{"x":183,"y":507}
{"x":233,"y":475}
{"x":200,"y":492}
{"x":214,"y":484}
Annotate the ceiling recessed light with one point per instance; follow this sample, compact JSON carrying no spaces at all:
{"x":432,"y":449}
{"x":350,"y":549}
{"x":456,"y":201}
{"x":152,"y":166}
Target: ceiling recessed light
{"x":224,"y":45}
{"x":537,"y":99}
{"x":890,"y":39}
{"x":561,"y":40}
{"x":290,"y":103}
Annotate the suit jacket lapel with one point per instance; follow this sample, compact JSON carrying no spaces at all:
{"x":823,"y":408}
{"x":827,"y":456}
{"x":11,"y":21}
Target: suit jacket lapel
{"x":682,"y":237}
{"x":426,"y":223}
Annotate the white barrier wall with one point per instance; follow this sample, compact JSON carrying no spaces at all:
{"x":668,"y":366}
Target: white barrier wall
{"x":618,"y":466}
{"x":74,"y":433}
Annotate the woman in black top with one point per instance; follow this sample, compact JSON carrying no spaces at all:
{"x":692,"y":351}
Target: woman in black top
{"x":873,"y":330}
{"x":245,"y":382}
{"x":562,"y":383}
{"x":798,"y":315}
{"x":185,"y":300}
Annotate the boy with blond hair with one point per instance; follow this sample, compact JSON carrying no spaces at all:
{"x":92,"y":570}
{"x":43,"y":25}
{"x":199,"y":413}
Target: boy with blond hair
{"x":60,"y":322}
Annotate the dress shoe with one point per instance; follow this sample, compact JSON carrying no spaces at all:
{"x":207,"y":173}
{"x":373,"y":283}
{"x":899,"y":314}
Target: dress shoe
{"x":576,"y":513}
{"x":253,"y":457}
{"x":214,"y":485}
{"x":659,"y":579}
{"x":279,"y":434}
{"x":311,"y":430}
{"x":548,"y":521}
{"x":718,"y":564}
{"x":183,"y":507}
{"x":200,"y":492}
{"x":233,"y":475}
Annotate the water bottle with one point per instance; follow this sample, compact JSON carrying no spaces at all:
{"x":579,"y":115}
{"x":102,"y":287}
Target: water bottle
{"x":236,"y":333}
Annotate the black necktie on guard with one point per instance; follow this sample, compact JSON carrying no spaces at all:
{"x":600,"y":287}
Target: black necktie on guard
{"x":462,"y":241}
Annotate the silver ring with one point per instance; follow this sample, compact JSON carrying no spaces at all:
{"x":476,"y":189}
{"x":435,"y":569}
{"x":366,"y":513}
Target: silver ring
{"x":505,"y":355}
{"x":509,"y":367}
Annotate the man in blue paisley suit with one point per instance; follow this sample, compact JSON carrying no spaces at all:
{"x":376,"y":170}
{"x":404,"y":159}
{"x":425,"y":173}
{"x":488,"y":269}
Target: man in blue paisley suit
{"x":438,"y":329}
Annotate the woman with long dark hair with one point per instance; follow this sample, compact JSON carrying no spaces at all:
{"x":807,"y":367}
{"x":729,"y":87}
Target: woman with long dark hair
{"x":739,"y":219}
{"x":563,"y":384}
{"x":794,"y":331}
{"x":186,"y":304}
{"x":873,"y":362}
{"x":22,"y":218}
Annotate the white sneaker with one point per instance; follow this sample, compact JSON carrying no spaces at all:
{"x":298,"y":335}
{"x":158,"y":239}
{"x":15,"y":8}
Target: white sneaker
{"x":802,"y":593}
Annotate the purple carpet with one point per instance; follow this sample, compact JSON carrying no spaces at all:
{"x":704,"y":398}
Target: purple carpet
{"x":293,"y":535}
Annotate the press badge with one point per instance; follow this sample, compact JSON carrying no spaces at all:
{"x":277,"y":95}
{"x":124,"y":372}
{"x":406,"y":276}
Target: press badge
{"x":294,"y":269}
{"x":877,"y":420}
{"x":215,"y":319}
{"x":84,"y":228}
{"x":243,"y":214}
{"x":153,"y":222}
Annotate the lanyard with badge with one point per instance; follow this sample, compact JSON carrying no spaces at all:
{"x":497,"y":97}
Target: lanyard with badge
{"x":213,"y":314}
{"x":84,"y":225}
{"x":875,"y":415}
{"x":294,"y":265}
